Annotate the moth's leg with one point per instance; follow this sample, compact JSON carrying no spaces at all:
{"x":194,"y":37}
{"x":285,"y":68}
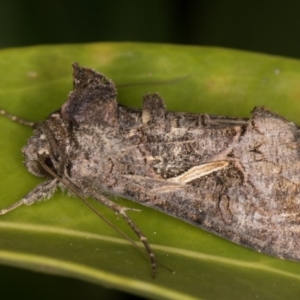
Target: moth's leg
{"x":122,"y":211}
{"x":199,"y":171}
{"x":43,"y":191}
{"x":16,"y":119}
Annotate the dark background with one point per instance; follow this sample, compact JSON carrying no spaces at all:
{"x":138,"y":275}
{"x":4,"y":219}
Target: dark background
{"x":269,"y":26}
{"x":263,"y":26}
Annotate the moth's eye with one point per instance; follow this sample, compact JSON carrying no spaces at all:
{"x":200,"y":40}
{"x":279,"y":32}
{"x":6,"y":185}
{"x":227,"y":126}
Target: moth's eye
{"x":49,"y":162}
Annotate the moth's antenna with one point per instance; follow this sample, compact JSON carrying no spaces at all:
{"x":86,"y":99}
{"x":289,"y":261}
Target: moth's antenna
{"x":16,"y":119}
{"x":69,"y":186}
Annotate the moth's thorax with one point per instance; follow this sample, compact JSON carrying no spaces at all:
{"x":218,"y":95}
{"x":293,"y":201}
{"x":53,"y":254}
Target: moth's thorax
{"x":51,"y":137}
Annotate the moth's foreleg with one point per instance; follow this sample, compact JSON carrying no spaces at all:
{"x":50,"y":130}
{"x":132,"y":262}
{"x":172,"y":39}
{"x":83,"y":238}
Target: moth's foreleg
{"x":43,"y":191}
{"x":123,"y":212}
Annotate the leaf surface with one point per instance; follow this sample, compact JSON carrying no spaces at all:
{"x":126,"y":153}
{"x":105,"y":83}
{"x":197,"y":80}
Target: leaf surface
{"x":62,"y":236}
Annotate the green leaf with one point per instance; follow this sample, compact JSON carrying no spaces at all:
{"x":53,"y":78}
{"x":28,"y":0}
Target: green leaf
{"x":62,"y":236}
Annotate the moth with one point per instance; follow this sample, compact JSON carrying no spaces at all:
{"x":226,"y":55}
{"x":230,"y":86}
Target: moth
{"x":238,"y":178}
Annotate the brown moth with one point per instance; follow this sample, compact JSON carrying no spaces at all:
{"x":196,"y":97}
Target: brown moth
{"x":238,"y":178}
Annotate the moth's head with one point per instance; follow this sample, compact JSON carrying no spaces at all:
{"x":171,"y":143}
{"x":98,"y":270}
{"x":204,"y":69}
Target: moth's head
{"x":38,"y":147}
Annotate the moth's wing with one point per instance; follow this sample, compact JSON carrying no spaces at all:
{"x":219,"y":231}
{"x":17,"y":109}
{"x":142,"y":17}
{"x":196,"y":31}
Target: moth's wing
{"x":265,"y":204}
{"x":253,"y":200}
{"x":93,"y":100}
